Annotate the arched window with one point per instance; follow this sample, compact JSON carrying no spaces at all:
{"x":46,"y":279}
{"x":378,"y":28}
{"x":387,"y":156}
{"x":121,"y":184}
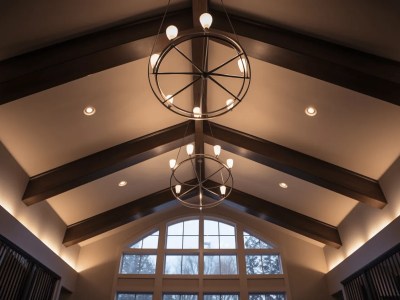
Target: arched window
{"x":201,"y":258}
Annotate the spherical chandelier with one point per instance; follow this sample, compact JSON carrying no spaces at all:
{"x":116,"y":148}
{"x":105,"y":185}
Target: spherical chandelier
{"x":212,"y":184}
{"x":228,"y":75}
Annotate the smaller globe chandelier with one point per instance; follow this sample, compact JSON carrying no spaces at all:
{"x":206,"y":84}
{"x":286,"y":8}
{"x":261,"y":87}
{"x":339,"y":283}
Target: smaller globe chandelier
{"x":213,"y":178}
{"x":222,"y":81}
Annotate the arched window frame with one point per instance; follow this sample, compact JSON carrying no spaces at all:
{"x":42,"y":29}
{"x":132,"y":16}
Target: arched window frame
{"x":158,"y":288}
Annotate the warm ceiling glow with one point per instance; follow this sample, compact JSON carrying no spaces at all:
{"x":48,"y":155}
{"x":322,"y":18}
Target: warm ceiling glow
{"x":89,"y":111}
{"x":283,"y":185}
{"x":311,"y":111}
{"x":122,"y":183}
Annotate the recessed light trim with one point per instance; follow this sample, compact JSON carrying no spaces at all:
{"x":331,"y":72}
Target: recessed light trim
{"x":89,"y":111}
{"x":310,"y":111}
{"x":122,"y":183}
{"x":283,"y":185}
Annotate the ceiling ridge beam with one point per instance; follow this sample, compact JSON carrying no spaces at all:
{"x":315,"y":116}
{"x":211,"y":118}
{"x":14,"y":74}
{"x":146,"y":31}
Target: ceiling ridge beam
{"x":54,"y":65}
{"x":284,"y":217}
{"x":305,"y":167}
{"x":106,"y":162}
{"x":343,"y":66}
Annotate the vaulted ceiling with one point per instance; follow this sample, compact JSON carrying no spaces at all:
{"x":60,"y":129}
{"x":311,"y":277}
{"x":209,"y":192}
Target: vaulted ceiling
{"x":344,"y":59}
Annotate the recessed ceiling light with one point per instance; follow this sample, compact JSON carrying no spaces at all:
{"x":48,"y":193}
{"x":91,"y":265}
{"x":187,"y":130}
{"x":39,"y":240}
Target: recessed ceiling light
{"x":122,"y":183}
{"x":311,"y":111}
{"x":89,"y":110}
{"x":283,"y":185}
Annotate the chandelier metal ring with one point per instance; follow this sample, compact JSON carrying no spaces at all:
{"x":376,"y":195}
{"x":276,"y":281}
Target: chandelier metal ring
{"x":216,"y":185}
{"x":185,"y":106}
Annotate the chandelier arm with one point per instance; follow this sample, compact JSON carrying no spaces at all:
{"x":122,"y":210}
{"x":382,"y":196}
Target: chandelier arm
{"x":181,"y":90}
{"x":184,"y":55}
{"x":212,"y":192}
{"x":224,"y":88}
{"x":225,"y":63}
{"x":178,"y":73}
{"x":188,"y":191}
{"x":230,"y":76}
{"x":205,"y":179}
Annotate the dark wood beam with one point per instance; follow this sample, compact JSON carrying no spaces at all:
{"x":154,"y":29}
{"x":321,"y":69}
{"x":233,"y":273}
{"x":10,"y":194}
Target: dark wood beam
{"x":58,"y":64}
{"x":303,"y":166}
{"x":362,"y":72}
{"x":106,"y":162}
{"x":200,"y":59}
{"x":118,"y":216}
{"x":285,"y":218}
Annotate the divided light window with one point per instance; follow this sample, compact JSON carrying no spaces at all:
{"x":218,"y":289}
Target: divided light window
{"x":263,"y":264}
{"x":221,"y":297}
{"x":134,"y":296}
{"x":218,"y":235}
{"x":183,"y":235}
{"x":138,"y":264}
{"x":180,"y":297}
{"x":268,"y":296}
{"x":220,"y":264}
{"x":149,"y":242}
{"x":182,"y":264}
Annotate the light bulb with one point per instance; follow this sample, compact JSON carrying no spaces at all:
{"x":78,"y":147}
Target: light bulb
{"x":189,"y":149}
{"x":153,"y":60}
{"x":222,"y":188}
{"x":242,"y":65}
{"x":229,"y":104}
{"x":217,"y":150}
{"x":178,"y":188}
{"x":229,"y":163}
{"x":206,"y":20}
{"x":170,"y":100}
{"x":197,"y":112}
{"x":171,"y":32}
{"x":172,"y":163}
{"x":311,"y":111}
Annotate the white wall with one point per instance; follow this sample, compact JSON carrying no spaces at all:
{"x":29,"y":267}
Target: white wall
{"x":46,"y":229}
{"x":380,"y":227}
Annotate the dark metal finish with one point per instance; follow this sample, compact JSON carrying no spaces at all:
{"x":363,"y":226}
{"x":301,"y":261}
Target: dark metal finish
{"x":58,"y":64}
{"x":285,"y":218}
{"x":365,"y":73}
{"x":118,"y":216}
{"x":105,"y":162}
{"x":306,"y":167}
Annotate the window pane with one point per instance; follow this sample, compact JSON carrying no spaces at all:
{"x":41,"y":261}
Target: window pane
{"x":271,"y":264}
{"x":173,"y":264}
{"x":144,"y":296}
{"x":179,"y":297}
{"x":269,"y":296}
{"x":176,"y":229}
{"x":210,"y":227}
{"x":150,"y":242}
{"x":137,"y":245}
{"x":190,"y":242}
{"x":227,"y":242}
{"x":132,"y":296}
{"x":138,"y":264}
{"x":211,"y":242}
{"x":228,"y":264}
{"x":252,"y":242}
{"x":225,"y":229}
{"x":190,"y":264}
{"x":174,"y":242}
{"x":253,"y":264}
{"x":211,"y":264}
{"x":191,"y":227}
{"x":221,"y":297}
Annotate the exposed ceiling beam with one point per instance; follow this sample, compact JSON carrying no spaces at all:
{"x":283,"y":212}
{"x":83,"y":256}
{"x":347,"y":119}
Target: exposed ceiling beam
{"x":58,"y":64}
{"x":106,"y":162}
{"x":297,"y":164}
{"x":118,"y":216}
{"x":359,"y":71}
{"x":285,"y":218}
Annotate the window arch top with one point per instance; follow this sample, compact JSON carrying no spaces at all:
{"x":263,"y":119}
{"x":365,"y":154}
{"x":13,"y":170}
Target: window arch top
{"x":253,"y":242}
{"x":148,"y":242}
